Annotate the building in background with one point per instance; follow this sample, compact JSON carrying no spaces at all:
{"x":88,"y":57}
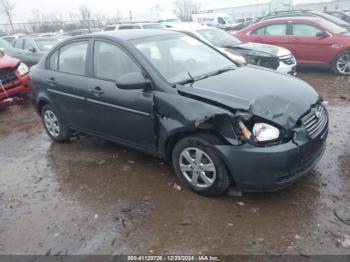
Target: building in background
{"x":251,"y":10}
{"x":325,"y":6}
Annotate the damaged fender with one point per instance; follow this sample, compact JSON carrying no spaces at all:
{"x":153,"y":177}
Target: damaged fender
{"x":176,"y":115}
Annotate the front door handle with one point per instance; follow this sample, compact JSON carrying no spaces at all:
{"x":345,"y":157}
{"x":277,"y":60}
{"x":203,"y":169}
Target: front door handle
{"x":51,"y":81}
{"x":97,"y":91}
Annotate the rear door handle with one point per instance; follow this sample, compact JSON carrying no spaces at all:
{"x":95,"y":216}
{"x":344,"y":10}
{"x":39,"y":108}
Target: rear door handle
{"x":51,"y":81}
{"x":97,"y":91}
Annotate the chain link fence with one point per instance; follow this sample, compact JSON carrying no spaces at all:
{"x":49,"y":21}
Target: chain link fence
{"x":55,"y":26}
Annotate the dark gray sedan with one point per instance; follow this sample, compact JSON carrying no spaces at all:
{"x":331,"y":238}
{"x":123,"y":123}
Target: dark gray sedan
{"x":177,"y":98}
{"x":30,"y":49}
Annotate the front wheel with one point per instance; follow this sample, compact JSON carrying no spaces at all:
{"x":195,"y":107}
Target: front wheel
{"x":342,"y":64}
{"x":199,"y":167}
{"x":54,"y":125}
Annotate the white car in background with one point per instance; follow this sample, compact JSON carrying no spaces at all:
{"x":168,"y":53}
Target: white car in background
{"x":269,"y":56}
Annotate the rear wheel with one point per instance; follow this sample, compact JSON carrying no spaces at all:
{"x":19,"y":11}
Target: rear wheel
{"x":54,"y":125}
{"x":342,"y":64}
{"x":199,"y":167}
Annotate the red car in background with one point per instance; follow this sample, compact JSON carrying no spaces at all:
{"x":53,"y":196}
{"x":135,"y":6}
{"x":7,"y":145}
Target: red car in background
{"x":313,"y":41}
{"x":13,"y":80}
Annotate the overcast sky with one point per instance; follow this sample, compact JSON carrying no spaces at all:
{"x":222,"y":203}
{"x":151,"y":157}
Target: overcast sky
{"x":25,"y":8}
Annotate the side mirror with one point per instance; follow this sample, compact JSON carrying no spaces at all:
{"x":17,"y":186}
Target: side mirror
{"x":322,"y":35}
{"x":132,"y":81}
{"x":32,"y":49}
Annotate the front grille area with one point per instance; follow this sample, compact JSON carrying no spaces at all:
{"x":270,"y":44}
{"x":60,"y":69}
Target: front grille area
{"x":315,"y":121}
{"x":7,"y":76}
{"x":288,"y":60}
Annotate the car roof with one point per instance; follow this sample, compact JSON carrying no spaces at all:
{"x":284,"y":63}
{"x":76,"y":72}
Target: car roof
{"x":132,"y":34}
{"x":293,"y":18}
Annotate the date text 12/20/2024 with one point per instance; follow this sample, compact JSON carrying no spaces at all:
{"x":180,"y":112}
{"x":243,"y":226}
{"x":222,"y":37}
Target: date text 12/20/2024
{"x":173,"y":258}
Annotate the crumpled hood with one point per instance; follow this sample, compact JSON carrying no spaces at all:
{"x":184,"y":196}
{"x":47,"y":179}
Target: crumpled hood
{"x":7,"y":61}
{"x":276,"y":97}
{"x":263,"y":48}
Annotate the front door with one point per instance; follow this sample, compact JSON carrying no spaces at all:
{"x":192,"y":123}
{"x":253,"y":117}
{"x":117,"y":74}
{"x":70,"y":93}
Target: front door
{"x":308,"y":48}
{"x":122,"y":115}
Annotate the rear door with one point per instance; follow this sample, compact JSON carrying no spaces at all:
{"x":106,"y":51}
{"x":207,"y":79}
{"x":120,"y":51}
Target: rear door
{"x":308,"y":48}
{"x":123,"y":115}
{"x":68,"y":84}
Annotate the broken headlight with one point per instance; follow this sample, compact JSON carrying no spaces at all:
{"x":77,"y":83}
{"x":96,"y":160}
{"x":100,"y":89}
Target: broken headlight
{"x":265,"y":132}
{"x":256,"y":131}
{"x":22,"y":69}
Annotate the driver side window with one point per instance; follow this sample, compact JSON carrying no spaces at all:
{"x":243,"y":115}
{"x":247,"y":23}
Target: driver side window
{"x":305,"y":30}
{"x":221,"y":21}
{"x":28,"y":45}
{"x":110,"y":62}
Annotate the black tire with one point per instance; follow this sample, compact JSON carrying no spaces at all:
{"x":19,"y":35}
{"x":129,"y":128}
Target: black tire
{"x":204,"y":142}
{"x":64,"y":134}
{"x":335,"y":68}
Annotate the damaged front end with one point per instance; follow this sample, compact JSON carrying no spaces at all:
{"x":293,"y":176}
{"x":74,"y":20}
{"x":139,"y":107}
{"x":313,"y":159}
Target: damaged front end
{"x":257,"y":58}
{"x":266,"y":144}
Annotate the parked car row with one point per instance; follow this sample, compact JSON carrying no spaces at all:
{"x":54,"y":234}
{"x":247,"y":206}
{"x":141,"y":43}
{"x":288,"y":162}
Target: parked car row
{"x":30,"y":49}
{"x":313,"y":41}
{"x":268,"y":56}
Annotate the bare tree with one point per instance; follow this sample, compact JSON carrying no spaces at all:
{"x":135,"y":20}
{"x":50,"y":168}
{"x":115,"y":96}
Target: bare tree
{"x":185,"y":8}
{"x":8,"y":8}
{"x":85,"y":16}
{"x":118,"y":17}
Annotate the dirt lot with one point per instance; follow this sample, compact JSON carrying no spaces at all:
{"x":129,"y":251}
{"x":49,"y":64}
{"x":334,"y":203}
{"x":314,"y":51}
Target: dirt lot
{"x":93,"y":197}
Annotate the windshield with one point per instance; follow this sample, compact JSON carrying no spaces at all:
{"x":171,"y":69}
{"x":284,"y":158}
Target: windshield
{"x":182,"y":58}
{"x":229,"y":20}
{"x":336,"y":29}
{"x":333,"y":19}
{"x":46,"y":44}
{"x":3,"y":43}
{"x":219,"y":37}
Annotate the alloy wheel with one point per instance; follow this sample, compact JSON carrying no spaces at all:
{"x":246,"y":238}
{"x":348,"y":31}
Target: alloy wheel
{"x":343,"y":64}
{"x":197,"y":167}
{"x":51,"y":123}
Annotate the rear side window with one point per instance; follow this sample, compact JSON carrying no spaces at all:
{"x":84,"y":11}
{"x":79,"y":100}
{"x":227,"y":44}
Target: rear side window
{"x":277,"y":29}
{"x":72,"y":58}
{"x":260,"y":31}
{"x":110,"y":62}
{"x":273,"y":30}
{"x":305,"y":30}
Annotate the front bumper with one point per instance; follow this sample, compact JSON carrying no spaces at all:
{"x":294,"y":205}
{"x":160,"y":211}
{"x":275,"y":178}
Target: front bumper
{"x":14,"y":92}
{"x":272,"y":168}
{"x":288,"y":69}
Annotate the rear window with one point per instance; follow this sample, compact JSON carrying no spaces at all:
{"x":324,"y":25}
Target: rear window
{"x":153,"y":26}
{"x":128,"y":27}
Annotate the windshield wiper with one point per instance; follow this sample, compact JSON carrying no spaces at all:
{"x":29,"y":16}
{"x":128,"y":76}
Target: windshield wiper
{"x":192,"y":79}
